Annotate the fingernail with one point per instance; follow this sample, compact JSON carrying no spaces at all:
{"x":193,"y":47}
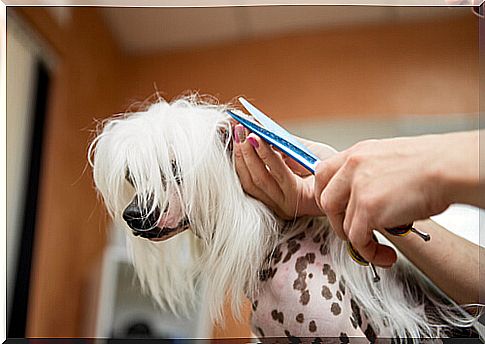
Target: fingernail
{"x":240,"y":134}
{"x":252,"y":141}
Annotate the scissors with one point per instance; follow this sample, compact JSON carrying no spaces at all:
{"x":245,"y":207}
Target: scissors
{"x":279,"y":137}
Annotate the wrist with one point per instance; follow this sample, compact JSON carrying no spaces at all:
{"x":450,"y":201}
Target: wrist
{"x":458,"y":174}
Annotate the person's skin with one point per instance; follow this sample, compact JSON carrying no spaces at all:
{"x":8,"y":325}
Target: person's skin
{"x":276,"y":180}
{"x":382,"y":184}
{"x":376,"y":185}
{"x":450,"y":261}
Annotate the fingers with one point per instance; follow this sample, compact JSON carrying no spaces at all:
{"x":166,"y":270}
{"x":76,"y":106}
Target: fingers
{"x":271,"y":159}
{"x":361,"y":237}
{"x":333,"y":184}
{"x":243,"y":171}
{"x":324,"y":172}
{"x":260,"y":175}
{"x":257,"y":178}
{"x":336,"y":221}
{"x":334,"y":200}
{"x":245,"y":177}
{"x":349,"y":214}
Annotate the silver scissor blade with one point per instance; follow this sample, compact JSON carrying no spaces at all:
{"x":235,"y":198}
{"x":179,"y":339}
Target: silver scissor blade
{"x":308,"y":161}
{"x":271,"y":125}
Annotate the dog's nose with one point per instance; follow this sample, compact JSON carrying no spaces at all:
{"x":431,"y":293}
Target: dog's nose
{"x":138,"y":219}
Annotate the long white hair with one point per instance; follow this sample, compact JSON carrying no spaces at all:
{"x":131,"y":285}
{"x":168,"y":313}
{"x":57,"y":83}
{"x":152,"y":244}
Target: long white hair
{"x":231,"y":234}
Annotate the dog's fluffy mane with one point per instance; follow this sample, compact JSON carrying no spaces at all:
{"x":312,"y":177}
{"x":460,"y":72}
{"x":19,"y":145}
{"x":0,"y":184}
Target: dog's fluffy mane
{"x":231,"y":234}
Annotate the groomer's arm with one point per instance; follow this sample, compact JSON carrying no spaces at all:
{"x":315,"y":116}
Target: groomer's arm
{"x":450,"y":261}
{"x":379,"y":184}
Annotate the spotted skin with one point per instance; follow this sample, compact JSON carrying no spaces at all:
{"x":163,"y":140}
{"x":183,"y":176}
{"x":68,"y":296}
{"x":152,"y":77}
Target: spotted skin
{"x":277,"y":316}
{"x":294,"y":305}
{"x":312,"y":326}
{"x":335,"y":308}
{"x":344,"y":339}
{"x":327,"y":293}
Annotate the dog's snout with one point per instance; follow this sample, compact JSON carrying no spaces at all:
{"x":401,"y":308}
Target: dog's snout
{"x":138,"y":218}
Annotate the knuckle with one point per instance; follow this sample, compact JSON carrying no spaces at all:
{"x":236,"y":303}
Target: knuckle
{"x":357,"y":147}
{"x":327,"y":205}
{"x":238,"y":154}
{"x":346,"y":224}
{"x":250,"y":189}
{"x":323,"y":201}
{"x":321,"y":168}
{"x":354,"y":238}
{"x":263,"y":154}
{"x":364,"y":144}
{"x":354,"y":160}
{"x":245,"y":183}
{"x":332,"y":208}
{"x":248,"y":186}
{"x":370,"y":204}
{"x":244,"y":152}
{"x":259,"y":180}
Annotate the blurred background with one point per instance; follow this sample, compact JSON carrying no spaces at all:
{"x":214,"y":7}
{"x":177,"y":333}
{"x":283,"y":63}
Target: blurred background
{"x":334,"y":74}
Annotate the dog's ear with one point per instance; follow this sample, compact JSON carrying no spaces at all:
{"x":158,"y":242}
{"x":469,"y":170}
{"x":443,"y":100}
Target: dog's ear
{"x":128,"y":178}
{"x":225,"y":136}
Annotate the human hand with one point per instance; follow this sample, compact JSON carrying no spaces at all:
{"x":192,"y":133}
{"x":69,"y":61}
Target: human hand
{"x":275,"y":179}
{"x":379,"y":184}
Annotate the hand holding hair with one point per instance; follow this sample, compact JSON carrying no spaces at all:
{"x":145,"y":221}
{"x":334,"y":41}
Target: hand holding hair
{"x":275,"y":179}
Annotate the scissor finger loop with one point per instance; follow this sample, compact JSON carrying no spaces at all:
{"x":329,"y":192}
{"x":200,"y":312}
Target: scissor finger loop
{"x":406,"y":229}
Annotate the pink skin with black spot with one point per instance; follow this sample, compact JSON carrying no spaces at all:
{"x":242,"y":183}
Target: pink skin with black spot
{"x":305,"y":297}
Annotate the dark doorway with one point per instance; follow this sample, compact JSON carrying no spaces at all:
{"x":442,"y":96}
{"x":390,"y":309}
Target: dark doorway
{"x":16,"y":323}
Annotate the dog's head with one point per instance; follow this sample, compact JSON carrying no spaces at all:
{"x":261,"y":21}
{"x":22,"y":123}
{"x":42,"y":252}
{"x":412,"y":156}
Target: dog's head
{"x":158,"y":169}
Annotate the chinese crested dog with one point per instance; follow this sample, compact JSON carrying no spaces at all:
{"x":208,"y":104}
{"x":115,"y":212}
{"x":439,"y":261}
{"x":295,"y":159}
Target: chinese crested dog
{"x":167,"y":177}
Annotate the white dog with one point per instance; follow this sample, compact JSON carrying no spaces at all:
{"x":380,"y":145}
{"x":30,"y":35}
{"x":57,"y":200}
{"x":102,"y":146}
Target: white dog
{"x":170,"y":168}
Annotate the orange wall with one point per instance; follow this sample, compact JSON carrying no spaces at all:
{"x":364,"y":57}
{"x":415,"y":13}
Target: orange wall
{"x":380,"y":70}
{"x":427,"y":68}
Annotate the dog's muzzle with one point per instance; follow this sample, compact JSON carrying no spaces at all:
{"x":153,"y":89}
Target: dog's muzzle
{"x":146,"y":225}
{"x":140,"y":221}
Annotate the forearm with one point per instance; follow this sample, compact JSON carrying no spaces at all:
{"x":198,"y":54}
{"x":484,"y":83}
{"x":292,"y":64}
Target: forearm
{"x":459,"y":172}
{"x":451,"y":262}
